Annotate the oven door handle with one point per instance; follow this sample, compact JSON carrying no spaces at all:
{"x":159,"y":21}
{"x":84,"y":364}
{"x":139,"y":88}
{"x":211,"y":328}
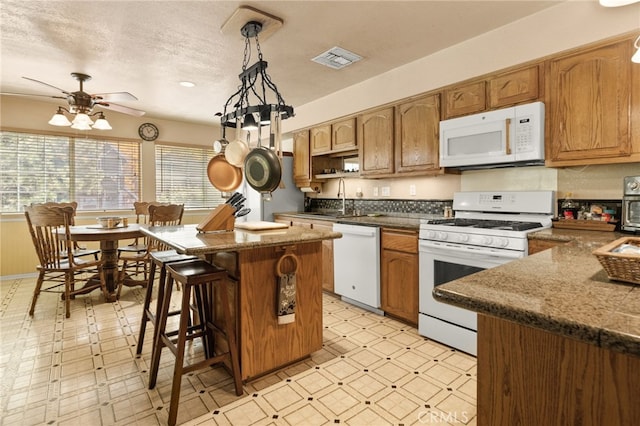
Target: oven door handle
{"x":439,"y":248}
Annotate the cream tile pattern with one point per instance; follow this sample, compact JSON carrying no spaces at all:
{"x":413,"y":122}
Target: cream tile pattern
{"x":372,"y":370}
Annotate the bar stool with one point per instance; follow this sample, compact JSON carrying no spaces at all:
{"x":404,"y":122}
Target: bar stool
{"x":159,"y":259}
{"x":204,"y":279}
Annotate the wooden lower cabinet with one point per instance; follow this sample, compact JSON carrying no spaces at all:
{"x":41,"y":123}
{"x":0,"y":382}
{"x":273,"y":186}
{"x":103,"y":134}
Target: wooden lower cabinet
{"x":327,"y":257}
{"x":264,"y":344}
{"x":528,"y":376}
{"x":399,"y":274}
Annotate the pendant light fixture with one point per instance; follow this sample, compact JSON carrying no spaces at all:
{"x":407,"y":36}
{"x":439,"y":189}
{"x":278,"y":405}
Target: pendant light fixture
{"x":257,"y":96}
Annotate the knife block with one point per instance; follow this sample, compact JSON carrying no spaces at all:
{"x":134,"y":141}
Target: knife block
{"x":220,"y":219}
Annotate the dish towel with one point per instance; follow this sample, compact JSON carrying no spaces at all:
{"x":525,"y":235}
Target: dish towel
{"x":286,"y":310}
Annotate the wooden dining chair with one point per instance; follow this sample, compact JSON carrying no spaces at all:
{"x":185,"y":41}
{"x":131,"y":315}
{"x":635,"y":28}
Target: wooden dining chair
{"x":78,"y":251}
{"x":138,"y":245}
{"x":159,"y":215}
{"x":49,"y":229}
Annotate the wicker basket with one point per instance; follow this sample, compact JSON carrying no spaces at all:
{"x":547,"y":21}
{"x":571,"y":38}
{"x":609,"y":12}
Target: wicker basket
{"x":620,"y":266}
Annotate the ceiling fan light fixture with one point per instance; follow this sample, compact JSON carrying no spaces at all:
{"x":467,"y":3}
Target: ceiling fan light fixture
{"x":102,"y":123}
{"x":59,"y":119}
{"x":82,"y":118}
{"x":81,"y":126}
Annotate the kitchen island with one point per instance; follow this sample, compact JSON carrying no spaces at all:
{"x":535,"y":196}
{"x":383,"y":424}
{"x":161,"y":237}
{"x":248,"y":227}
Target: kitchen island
{"x":251,"y":259}
{"x":558,"y":342}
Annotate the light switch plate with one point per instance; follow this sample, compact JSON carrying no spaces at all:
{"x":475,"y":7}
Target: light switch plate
{"x":375,"y":191}
{"x":412,"y":190}
{"x":386,"y":191}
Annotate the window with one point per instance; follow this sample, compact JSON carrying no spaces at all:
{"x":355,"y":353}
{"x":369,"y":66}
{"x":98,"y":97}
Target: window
{"x":181,"y":176}
{"x":98,"y":174}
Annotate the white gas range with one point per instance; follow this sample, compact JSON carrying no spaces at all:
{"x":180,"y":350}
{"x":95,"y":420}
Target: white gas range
{"x":489,"y":229}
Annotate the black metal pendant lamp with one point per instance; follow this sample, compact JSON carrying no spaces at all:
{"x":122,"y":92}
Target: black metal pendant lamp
{"x":257,"y":96}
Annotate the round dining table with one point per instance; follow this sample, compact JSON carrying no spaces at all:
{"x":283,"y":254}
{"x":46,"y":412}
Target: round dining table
{"x":108,"y":238}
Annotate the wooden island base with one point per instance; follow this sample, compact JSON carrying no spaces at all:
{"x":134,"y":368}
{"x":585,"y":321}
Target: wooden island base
{"x":527,"y":376}
{"x":264,"y":344}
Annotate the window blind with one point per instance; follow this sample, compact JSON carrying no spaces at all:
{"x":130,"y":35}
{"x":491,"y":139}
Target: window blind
{"x":98,"y":174}
{"x":181,"y":176}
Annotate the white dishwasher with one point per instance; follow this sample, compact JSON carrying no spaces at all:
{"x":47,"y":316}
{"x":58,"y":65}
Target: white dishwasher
{"x":356,"y":258}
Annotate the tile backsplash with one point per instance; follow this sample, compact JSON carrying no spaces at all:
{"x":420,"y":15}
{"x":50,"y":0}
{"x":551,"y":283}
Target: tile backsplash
{"x":382,"y":206}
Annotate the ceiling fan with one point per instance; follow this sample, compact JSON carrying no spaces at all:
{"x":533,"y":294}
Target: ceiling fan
{"x":82,"y":102}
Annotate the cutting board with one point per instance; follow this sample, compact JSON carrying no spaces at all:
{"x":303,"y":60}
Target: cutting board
{"x":260,"y":225}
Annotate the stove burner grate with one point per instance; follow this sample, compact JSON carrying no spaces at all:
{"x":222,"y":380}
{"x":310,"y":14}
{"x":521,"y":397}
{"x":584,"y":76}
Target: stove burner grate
{"x":487,"y":224}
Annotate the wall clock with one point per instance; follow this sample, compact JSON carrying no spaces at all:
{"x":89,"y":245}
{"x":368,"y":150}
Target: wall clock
{"x":148,"y":131}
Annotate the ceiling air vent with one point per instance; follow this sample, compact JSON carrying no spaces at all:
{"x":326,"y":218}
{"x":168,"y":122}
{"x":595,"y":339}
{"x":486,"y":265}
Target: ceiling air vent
{"x":337,"y":58}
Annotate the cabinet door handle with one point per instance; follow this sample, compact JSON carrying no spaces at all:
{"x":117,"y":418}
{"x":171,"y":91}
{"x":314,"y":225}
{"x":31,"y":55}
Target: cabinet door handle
{"x":508,"y":134}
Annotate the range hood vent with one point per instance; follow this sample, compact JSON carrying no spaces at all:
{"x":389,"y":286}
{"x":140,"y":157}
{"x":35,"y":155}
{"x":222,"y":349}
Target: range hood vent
{"x":337,"y":58}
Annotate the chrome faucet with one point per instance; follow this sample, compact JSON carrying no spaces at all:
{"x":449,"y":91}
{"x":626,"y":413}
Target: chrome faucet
{"x":344,"y":195}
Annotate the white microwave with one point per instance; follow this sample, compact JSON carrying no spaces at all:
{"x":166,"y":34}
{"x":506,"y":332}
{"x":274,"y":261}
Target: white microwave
{"x":505,"y":137}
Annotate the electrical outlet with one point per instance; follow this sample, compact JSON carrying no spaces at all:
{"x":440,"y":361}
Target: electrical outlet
{"x":412,"y":190}
{"x":375,"y":191}
{"x":386,"y":191}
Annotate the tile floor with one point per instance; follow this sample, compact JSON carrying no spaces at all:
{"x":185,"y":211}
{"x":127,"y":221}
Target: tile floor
{"x":372,"y":370}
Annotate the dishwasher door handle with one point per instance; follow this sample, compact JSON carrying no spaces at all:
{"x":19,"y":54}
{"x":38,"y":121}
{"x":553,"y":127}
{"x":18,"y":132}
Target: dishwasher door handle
{"x":359,"y":233}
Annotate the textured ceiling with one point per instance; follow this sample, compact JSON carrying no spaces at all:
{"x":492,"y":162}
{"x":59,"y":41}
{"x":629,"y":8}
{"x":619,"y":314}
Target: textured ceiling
{"x":147,"y":47}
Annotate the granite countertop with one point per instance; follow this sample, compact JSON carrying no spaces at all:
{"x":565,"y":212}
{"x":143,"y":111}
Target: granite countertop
{"x":410,"y":221}
{"x":186,"y":239}
{"x":563,"y":290}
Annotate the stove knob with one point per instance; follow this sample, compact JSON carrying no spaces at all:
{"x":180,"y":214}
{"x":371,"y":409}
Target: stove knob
{"x":487,"y":241}
{"x":634,"y":186}
{"x":442,"y":236}
{"x":463,"y":238}
{"x":502,"y":242}
{"x":430,"y":235}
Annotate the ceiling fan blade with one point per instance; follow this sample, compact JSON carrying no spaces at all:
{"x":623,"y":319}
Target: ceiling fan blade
{"x":115,"y":96}
{"x":47,"y":84}
{"x":30,"y":94}
{"x":121,"y":108}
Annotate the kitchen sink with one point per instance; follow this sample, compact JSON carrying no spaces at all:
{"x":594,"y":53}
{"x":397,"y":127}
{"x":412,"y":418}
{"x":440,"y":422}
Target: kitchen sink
{"x":332,"y":214}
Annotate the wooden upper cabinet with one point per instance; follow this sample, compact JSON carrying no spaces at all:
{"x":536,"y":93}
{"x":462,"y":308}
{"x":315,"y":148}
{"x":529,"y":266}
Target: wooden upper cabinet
{"x":466,"y":99}
{"x":375,"y":142}
{"x":417,"y":142}
{"x":514,"y":87}
{"x":344,"y":135}
{"x":588,"y":113}
{"x":301,"y":158}
{"x":320,"y":139}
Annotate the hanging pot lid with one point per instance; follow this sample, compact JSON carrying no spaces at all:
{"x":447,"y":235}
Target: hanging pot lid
{"x":262,"y":169}
{"x":223,"y":176}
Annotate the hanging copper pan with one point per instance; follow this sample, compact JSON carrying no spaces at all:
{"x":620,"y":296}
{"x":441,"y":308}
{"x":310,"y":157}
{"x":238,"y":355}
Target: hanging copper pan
{"x":222,"y":175}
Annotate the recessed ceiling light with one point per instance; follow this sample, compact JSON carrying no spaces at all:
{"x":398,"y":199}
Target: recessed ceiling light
{"x":187,"y":84}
